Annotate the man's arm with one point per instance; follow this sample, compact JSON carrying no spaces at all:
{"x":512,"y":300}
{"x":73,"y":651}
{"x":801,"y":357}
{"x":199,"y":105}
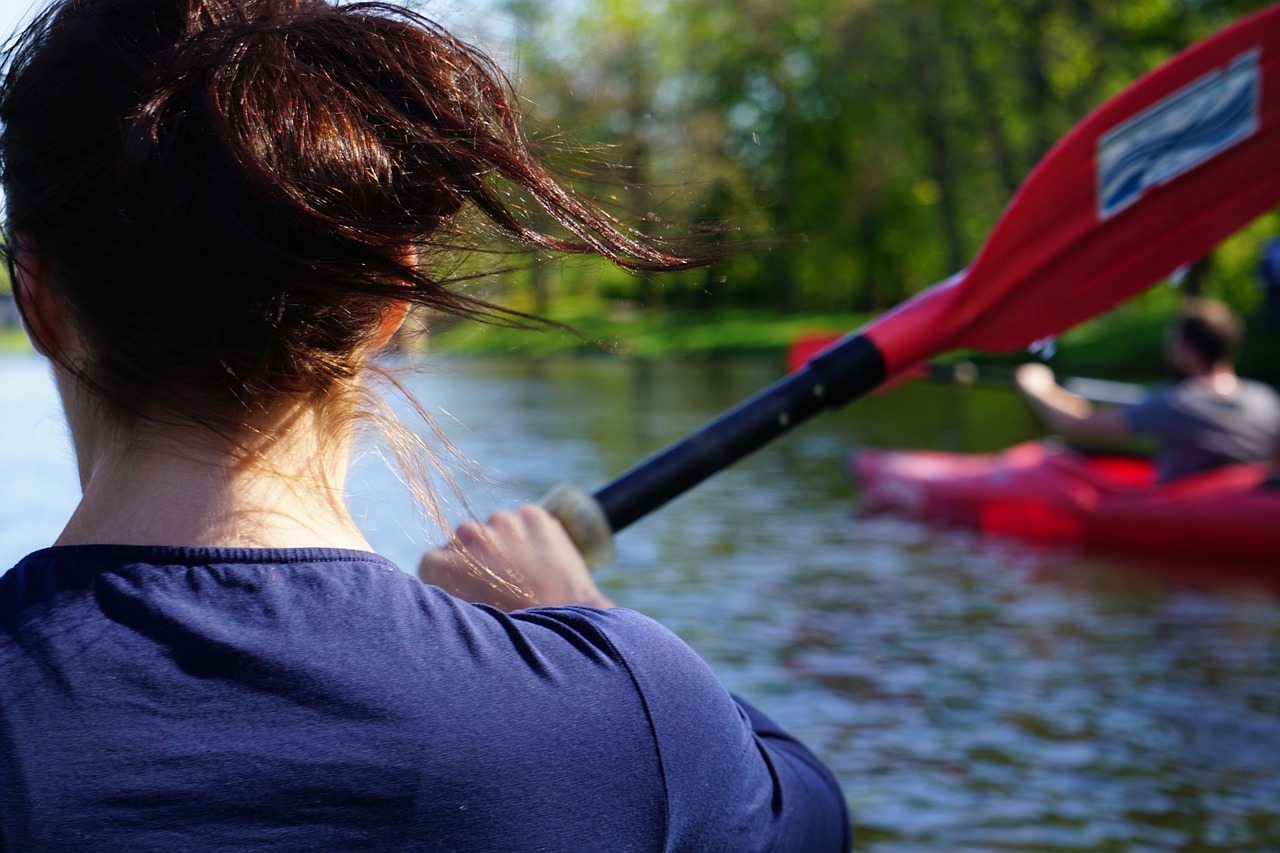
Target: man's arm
{"x":1065,"y":412}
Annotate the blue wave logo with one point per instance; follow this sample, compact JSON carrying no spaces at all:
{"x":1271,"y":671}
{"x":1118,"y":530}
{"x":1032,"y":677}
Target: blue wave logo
{"x":1186,"y":129}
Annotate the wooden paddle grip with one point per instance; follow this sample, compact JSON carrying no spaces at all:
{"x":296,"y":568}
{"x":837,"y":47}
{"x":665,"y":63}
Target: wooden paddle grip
{"x":584,"y":520}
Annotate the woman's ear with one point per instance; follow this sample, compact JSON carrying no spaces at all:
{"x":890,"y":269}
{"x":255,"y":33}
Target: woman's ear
{"x":393,"y":317}
{"x":44,"y":318}
{"x":395,"y":313}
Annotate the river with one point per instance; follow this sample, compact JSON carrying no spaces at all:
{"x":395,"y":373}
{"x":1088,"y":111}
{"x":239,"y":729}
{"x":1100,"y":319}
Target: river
{"x":970,"y":694}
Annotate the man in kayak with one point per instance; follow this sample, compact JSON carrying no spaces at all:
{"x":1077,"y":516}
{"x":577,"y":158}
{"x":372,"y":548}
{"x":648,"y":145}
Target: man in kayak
{"x":1209,"y":417}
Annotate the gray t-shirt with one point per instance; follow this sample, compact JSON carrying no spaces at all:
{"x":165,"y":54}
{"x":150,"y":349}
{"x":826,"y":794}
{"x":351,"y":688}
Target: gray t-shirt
{"x":1198,"y":429}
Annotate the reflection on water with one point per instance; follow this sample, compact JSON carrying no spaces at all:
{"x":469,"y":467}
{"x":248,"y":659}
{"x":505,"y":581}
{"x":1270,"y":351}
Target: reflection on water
{"x":970,"y":694}
{"x":991,"y":698}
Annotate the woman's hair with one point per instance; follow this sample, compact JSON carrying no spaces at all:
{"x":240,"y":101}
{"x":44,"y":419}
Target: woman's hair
{"x":229,"y":196}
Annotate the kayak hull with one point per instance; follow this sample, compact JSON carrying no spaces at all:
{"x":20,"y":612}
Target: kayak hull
{"x":1055,"y":496}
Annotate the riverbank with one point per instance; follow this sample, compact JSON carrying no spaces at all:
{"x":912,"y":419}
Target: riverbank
{"x":1123,"y":344}
{"x":13,"y":340}
{"x":1120,"y":345}
{"x":633,"y":333}
{"x":1128,"y":346}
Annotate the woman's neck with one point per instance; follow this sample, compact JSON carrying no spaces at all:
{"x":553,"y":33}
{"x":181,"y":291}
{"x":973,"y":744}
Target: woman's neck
{"x":157,"y":485}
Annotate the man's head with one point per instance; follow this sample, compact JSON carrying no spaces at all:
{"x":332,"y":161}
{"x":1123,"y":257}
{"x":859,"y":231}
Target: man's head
{"x":1206,"y":335}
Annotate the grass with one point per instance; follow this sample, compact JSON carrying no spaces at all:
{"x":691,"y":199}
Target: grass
{"x":1118,"y":345}
{"x":624,"y":330}
{"x":1121,"y":344}
{"x":13,"y":340}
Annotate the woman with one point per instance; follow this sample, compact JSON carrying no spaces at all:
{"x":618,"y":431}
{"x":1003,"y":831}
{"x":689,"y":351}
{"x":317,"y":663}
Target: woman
{"x":218,"y":211}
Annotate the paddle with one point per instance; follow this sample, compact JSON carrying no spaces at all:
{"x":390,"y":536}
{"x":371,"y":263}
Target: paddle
{"x":968,"y":373}
{"x":1151,"y":180}
{"x":1094,"y":390}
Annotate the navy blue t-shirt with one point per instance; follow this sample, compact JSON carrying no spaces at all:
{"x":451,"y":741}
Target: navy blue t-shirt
{"x":162,"y":699}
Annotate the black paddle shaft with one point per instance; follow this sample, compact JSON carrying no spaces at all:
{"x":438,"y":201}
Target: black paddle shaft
{"x":836,"y":376}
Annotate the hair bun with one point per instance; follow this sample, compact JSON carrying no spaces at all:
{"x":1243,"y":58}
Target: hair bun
{"x":187,"y":165}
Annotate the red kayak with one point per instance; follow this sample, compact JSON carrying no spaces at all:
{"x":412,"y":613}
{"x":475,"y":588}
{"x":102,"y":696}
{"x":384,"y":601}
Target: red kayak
{"x":1053,"y":495}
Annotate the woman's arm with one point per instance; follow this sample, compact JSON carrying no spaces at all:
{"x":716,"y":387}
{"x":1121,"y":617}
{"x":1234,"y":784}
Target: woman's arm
{"x":735,"y":780}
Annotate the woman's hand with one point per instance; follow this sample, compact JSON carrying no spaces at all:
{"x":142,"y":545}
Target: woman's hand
{"x":515,"y":559}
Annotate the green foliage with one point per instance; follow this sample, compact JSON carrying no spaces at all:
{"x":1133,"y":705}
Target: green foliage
{"x":1126,"y":344}
{"x":595,"y":326}
{"x":13,"y":340}
{"x":867,"y":146}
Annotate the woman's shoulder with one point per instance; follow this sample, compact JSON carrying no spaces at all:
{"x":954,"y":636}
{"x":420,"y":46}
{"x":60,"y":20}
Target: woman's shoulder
{"x":618,"y":636}
{"x":358,"y":598}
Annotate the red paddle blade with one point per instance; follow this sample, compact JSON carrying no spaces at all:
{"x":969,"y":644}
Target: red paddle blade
{"x":1151,"y":180}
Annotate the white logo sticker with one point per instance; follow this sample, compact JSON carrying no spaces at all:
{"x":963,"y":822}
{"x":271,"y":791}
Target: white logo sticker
{"x":1168,"y":139}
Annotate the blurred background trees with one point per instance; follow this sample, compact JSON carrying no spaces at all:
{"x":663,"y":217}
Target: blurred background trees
{"x":867,"y":145}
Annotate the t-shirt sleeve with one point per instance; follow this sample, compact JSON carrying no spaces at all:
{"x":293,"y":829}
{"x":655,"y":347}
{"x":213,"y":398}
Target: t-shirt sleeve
{"x":735,"y":780}
{"x":815,"y":796}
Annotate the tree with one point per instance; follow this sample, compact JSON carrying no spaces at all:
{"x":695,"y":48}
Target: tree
{"x":868,"y":145}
